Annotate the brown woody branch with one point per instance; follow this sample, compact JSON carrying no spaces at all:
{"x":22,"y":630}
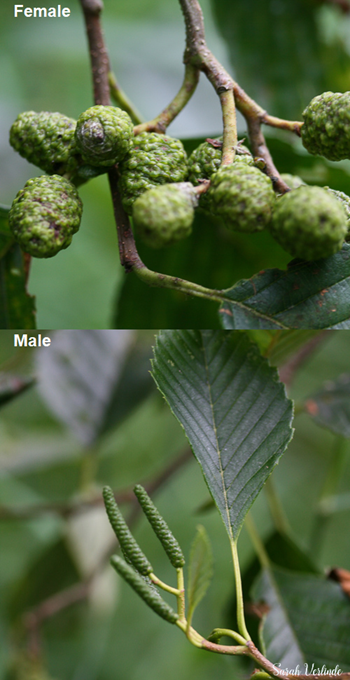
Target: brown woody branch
{"x":198,"y":54}
{"x":98,"y":52}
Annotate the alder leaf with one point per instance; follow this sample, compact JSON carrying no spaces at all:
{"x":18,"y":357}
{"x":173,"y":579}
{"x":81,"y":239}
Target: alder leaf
{"x":307,"y":295}
{"x":200,"y":570}
{"x":308,"y":621}
{"x":233,"y":409}
{"x":330,"y":406}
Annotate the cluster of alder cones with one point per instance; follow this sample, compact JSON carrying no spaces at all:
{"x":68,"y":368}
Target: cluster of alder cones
{"x":161,"y":187}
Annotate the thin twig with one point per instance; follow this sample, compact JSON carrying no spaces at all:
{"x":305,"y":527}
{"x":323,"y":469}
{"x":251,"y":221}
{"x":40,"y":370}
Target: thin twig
{"x":161,"y":122}
{"x":122,"y":99}
{"x":129,"y":257}
{"x":229,"y":141}
{"x":260,"y":149}
{"x":98,"y":52}
{"x":288,"y":371}
{"x":198,"y":54}
{"x":82,"y":505}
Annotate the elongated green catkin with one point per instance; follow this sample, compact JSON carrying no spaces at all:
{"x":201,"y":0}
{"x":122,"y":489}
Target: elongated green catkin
{"x":130,"y":548}
{"x":142,"y":588}
{"x":160,"y":527}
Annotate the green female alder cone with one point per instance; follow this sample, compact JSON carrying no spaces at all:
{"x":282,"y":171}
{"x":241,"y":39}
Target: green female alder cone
{"x":164,"y":214}
{"x":326,"y":128}
{"x":45,"y":139}
{"x":293,"y":181}
{"x":45,"y":214}
{"x":153,"y":159}
{"x":205,"y":160}
{"x":345,"y":202}
{"x":309,"y":223}
{"x":160,"y":527}
{"x":130,"y":548}
{"x":243,"y":197}
{"x":103,"y":135}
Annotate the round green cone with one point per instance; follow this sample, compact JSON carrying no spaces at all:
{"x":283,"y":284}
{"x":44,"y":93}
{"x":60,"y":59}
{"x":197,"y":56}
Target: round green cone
{"x":45,"y":139}
{"x":164,"y":214}
{"x":153,"y":159}
{"x":243,"y":197}
{"x":104,"y":135}
{"x":326,"y":128}
{"x":45,"y":214}
{"x":309,"y":223}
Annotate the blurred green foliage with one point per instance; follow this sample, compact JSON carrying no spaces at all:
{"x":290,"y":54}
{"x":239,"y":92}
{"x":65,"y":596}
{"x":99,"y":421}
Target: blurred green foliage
{"x":112,"y":634}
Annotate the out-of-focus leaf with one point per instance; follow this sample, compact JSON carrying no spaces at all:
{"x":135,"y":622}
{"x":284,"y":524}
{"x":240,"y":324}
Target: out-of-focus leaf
{"x":308,"y":294}
{"x":233,"y":409}
{"x":283,"y":552}
{"x":308,"y":620}
{"x":17,"y":308}
{"x":200,"y":570}
{"x":11,"y":386}
{"x":336,"y":503}
{"x":52,"y":571}
{"x":83,"y":378}
{"x":6,"y":238}
{"x":283,"y":36}
{"x":278,"y":346}
{"x":330,"y":406}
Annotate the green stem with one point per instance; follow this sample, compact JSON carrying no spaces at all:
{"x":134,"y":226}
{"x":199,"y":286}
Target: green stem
{"x":276,"y":509}
{"x":122,"y":99}
{"x":329,"y":489}
{"x":257,"y":542}
{"x":175,"y":283}
{"x":89,"y":465}
{"x":161,"y":122}
{"x":239,"y":593}
{"x":164,"y":586}
{"x":229,"y":127}
{"x":181,"y":595}
{"x":218,"y":633}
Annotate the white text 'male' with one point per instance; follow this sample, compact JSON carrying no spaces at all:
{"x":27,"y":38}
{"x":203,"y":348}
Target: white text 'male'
{"x":31,"y":340}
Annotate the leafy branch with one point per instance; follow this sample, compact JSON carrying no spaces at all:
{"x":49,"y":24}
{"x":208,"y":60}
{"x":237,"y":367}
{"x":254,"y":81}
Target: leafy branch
{"x":136,"y":570}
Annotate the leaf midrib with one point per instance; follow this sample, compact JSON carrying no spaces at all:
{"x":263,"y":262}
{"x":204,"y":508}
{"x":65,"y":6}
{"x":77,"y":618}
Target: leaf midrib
{"x":217,"y":444}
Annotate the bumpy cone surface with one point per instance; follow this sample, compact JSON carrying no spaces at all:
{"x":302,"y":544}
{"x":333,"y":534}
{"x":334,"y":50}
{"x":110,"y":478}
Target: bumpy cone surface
{"x":293,"y":181}
{"x":309,"y":223}
{"x":46,"y":140}
{"x":45,"y":214}
{"x":243,"y":197}
{"x":104,"y":135}
{"x":326,"y":129}
{"x":345,"y":201}
{"x":205,"y":160}
{"x":153,"y":159}
{"x":164,"y":214}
